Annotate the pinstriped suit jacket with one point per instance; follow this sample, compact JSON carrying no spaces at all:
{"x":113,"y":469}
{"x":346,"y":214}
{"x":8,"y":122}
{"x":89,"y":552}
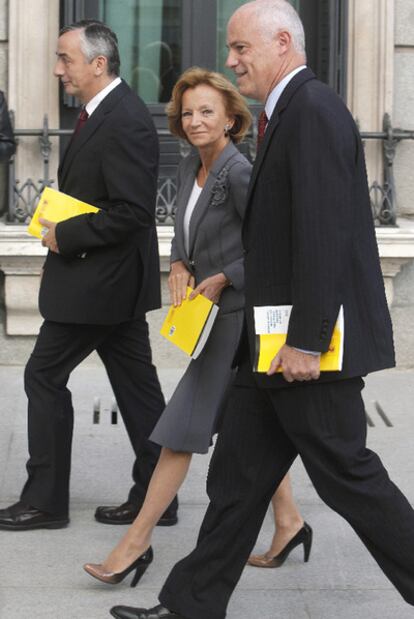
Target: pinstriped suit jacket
{"x":309,"y":235}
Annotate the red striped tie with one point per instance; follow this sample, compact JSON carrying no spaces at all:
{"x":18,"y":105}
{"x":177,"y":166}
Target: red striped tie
{"x":261,"y":127}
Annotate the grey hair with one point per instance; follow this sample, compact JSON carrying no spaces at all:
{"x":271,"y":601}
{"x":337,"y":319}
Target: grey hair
{"x":97,"y":39}
{"x":276,"y":15}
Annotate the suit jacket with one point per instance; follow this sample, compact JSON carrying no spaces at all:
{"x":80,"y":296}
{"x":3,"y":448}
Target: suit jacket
{"x":107,"y":270}
{"x":308,"y":232}
{"x":215,"y":227}
{"x":7,"y":143}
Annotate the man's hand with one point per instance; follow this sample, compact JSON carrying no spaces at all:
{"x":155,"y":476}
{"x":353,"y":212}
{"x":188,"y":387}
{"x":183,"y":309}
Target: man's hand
{"x":49,"y":239}
{"x":178,"y":281}
{"x":296,"y":365}
{"x":211,"y":287}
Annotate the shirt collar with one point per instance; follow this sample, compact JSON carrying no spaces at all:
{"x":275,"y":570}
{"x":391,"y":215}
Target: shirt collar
{"x":91,"y":106}
{"x":275,"y":95}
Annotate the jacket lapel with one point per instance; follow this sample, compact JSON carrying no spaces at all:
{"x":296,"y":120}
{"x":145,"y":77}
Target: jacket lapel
{"x":88,"y":130}
{"x":204,"y":200}
{"x":295,"y":83}
{"x":188,"y":174}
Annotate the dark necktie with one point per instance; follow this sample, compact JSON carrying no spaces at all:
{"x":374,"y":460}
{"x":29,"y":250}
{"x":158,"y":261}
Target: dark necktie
{"x":261,"y":127}
{"x":82,"y":118}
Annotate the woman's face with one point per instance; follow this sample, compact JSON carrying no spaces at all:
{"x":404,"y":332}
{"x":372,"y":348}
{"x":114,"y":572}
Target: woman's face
{"x":204,"y":117}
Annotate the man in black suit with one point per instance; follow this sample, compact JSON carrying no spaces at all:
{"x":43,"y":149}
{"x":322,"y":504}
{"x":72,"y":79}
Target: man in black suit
{"x":310,"y":243}
{"x":100,"y":277}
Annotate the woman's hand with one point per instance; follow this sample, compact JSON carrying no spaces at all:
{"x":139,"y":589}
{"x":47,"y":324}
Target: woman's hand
{"x":178,"y":280}
{"x":211,"y":287}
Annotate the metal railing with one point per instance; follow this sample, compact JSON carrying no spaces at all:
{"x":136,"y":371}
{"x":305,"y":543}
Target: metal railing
{"x":24,"y":195}
{"x":383,"y":195}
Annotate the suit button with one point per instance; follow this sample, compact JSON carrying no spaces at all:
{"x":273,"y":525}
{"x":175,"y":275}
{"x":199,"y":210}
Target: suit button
{"x":192,"y":263}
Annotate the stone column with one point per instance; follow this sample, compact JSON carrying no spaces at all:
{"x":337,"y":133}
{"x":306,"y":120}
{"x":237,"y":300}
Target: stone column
{"x":404,"y":103}
{"x":370,"y":71}
{"x":4,"y":35}
{"x":33,"y":90}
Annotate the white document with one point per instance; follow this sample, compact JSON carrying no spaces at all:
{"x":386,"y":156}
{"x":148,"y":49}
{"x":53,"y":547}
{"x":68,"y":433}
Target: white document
{"x":271,"y":319}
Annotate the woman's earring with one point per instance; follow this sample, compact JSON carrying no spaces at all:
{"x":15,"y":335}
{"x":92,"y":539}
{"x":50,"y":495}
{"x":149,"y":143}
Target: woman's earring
{"x":226,"y":130}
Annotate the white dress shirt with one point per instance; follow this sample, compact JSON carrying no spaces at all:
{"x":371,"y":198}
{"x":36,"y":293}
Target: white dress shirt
{"x":192,"y":201}
{"x":91,"y":106}
{"x":275,"y":94}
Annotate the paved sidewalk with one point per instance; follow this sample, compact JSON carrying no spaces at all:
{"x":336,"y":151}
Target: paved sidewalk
{"x":41,"y":574}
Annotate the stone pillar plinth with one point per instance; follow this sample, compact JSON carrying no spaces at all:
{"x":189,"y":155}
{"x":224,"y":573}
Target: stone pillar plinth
{"x":21,"y":260}
{"x":21,"y":293}
{"x":396,"y":248}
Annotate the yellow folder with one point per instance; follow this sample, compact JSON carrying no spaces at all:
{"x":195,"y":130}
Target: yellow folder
{"x":57,"y":206}
{"x":189,"y":324}
{"x":271,"y":326}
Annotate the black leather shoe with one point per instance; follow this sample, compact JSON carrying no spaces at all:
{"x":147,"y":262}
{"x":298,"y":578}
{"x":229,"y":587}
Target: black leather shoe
{"x":127,"y":512}
{"x":159,"y":612}
{"x":22,"y":517}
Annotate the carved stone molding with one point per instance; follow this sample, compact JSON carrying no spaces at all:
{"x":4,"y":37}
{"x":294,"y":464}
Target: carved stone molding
{"x":396,"y":248}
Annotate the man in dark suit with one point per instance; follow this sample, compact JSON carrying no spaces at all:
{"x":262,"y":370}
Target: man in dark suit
{"x":100,"y":277}
{"x":310,"y":243}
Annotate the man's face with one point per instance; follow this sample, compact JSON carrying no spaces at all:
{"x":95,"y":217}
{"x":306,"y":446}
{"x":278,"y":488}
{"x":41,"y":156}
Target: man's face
{"x":252,"y":56}
{"x":76,"y":74}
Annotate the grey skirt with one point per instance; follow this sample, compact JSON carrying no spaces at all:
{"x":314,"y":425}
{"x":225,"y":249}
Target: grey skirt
{"x":189,"y":419}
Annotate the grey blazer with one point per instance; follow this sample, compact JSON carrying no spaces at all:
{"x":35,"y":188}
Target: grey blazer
{"x":215,"y":226}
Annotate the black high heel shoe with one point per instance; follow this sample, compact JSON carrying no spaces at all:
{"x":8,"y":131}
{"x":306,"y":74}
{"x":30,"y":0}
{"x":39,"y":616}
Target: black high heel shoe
{"x":113,"y":578}
{"x":303,"y":536}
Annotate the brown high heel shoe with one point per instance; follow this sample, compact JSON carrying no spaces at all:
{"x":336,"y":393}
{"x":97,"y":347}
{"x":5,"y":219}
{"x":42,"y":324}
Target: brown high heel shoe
{"x":113,"y":578}
{"x":303,"y":536}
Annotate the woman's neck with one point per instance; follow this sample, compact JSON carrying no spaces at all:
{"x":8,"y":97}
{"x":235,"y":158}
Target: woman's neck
{"x":208,"y":156}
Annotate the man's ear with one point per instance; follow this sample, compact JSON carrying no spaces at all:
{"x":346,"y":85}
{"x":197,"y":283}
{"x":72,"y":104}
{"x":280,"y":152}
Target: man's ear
{"x":101,"y":64}
{"x":284,"y":41}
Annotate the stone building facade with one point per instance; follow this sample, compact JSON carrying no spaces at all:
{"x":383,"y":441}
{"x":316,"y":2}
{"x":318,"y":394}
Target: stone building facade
{"x":380,"y":69}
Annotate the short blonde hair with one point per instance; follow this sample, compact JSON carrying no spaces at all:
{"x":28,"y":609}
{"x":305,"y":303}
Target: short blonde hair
{"x":234,"y":103}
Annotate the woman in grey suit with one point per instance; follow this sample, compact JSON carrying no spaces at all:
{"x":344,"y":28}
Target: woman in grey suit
{"x":207,"y":255}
